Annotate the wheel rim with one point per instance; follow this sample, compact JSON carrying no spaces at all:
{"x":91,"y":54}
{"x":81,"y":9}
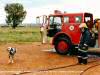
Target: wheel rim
{"x":63,"y":46}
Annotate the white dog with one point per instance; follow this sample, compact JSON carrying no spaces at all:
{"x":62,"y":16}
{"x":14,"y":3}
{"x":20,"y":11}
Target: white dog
{"x":11,"y":54}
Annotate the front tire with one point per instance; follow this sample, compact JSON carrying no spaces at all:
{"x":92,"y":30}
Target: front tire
{"x":63,"y":46}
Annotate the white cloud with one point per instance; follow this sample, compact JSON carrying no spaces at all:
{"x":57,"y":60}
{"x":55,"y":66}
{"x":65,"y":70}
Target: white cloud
{"x":2,"y":15}
{"x":47,"y":7}
{"x":32,"y":13}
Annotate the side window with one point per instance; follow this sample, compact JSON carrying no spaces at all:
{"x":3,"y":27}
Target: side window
{"x":87,"y":19}
{"x":78,"y":19}
{"x":66,"y":19}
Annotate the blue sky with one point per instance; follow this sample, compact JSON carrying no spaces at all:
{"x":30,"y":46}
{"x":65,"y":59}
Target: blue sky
{"x":40,"y":7}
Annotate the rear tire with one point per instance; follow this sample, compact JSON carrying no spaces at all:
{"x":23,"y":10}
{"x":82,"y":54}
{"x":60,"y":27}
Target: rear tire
{"x":63,"y":46}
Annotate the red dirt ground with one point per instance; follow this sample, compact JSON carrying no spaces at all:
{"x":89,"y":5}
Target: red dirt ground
{"x":33,"y":57}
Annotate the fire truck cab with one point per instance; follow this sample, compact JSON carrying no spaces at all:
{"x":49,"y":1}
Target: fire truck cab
{"x":64,"y":27}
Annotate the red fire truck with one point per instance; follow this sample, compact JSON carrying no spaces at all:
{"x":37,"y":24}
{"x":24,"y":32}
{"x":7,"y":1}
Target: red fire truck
{"x":64,"y":27}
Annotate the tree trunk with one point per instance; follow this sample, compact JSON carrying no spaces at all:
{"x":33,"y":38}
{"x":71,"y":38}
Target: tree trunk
{"x":14,"y":23}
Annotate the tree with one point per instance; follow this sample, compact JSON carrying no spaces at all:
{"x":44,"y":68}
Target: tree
{"x":15,"y":14}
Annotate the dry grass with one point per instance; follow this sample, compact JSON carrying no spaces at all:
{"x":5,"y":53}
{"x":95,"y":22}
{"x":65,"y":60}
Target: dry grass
{"x":20,"y":34}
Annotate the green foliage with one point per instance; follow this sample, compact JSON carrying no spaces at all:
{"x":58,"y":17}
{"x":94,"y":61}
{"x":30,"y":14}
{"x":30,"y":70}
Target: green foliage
{"x":20,"y":34}
{"x":15,"y":14}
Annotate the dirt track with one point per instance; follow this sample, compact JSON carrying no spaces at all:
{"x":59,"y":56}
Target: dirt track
{"x":36,"y":57}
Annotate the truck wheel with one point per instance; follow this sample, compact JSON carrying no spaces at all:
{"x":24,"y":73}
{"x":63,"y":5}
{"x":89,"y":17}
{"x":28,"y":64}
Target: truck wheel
{"x":62,"y":46}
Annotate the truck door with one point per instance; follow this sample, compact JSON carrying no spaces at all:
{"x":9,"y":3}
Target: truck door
{"x":55,"y":23}
{"x":71,"y":27}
